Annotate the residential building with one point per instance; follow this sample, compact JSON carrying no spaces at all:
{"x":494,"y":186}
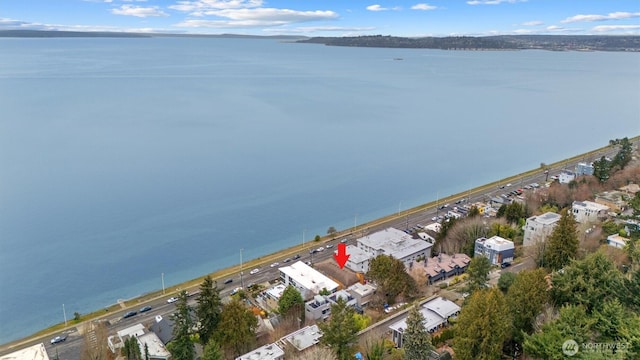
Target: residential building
{"x":304,"y":338}
{"x":157,"y":350}
{"x":320,"y":306}
{"x":444,"y":266}
{"x":306,"y":279}
{"x":615,"y":200}
{"x":390,"y":242}
{"x":630,"y":189}
{"x":588,"y":211}
{"x":498,"y":250}
{"x":362,"y":292}
{"x":266,"y":352}
{"x":584,"y":169}
{"x":33,"y":352}
{"x":537,"y":228}
{"x":566,"y":176}
{"x":436,"y":312}
{"x":163,"y":327}
{"x":617,"y":241}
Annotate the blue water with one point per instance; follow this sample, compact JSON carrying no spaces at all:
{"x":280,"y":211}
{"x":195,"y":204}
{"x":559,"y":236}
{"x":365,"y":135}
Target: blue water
{"x":122,"y":159}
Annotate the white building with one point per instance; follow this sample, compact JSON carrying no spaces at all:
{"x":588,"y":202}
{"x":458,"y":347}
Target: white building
{"x":34,"y":352}
{"x":362,"y":293}
{"x":157,"y":350}
{"x":617,"y":241}
{"x":306,"y":279}
{"x":537,"y":228}
{"x":390,"y":242}
{"x":436,"y":313}
{"x":588,"y":211}
{"x":304,"y":338}
{"x":584,"y":169}
{"x":266,"y":352}
{"x":498,"y":250}
{"x":566,"y":177}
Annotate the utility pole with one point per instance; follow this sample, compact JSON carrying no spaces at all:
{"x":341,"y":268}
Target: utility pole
{"x":64,"y":312}
{"x":162,"y":283}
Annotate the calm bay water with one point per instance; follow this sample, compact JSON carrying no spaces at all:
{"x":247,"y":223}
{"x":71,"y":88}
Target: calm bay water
{"x":121,"y":159}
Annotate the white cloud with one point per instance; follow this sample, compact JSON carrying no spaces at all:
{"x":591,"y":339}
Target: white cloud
{"x":611,"y":16}
{"x":556,"y":28}
{"x":138,"y":11}
{"x":493,"y":2}
{"x":315,"y":29}
{"x":523,"y":31}
{"x":625,"y":28}
{"x":532,"y":23}
{"x":200,"y":6}
{"x":423,"y":7}
{"x":258,"y":17}
{"x":128,"y":0}
{"x":377,"y":7}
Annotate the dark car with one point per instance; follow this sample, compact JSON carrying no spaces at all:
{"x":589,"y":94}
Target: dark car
{"x":59,"y":339}
{"x":145,"y":309}
{"x":296,"y":257}
{"x":129,"y":314}
{"x":228,"y":281}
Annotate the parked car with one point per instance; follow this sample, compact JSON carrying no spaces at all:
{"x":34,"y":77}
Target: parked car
{"x":228,"y":281}
{"x":235,"y":291}
{"x":145,"y":309}
{"x":254,"y":271}
{"x":129,"y":314}
{"x":286,"y":260}
{"x":296,"y":257}
{"x":275,"y":264}
{"x":320,"y":249}
{"x":344,"y":241}
{"x":172,"y":300}
{"x":329,"y":246}
{"x":59,"y":339}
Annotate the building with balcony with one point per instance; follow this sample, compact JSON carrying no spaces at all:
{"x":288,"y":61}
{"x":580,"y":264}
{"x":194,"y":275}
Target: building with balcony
{"x":306,"y":279}
{"x":588,"y":211}
{"x":538,"y":228}
{"x":498,"y":250}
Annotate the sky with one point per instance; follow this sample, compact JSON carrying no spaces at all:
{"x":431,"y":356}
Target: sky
{"x":328,"y":17}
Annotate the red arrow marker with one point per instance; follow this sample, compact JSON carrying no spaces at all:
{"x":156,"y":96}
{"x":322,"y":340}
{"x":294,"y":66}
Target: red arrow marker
{"x":342,"y":256}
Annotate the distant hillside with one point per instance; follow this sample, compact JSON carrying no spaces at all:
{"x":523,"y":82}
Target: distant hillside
{"x":504,"y":42}
{"x":55,"y":34}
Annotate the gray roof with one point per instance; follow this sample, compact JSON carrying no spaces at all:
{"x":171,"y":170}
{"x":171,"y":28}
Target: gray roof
{"x":394,"y":242}
{"x":442,"y":307}
{"x":547,"y":218}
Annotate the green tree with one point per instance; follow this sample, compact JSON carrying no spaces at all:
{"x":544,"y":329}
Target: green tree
{"x":208,"y":309}
{"x":340,"y":332}
{"x":182,"y":347}
{"x":634,"y":203}
{"x":362,"y":321}
{"x":589,"y":282}
{"x":317,"y":238}
{"x":473,"y":212}
{"x":415,"y":339}
{"x":483,"y":326}
{"x":478,"y":272}
{"x":331,"y":230}
{"x":392,"y":278}
{"x":526,"y":298}
{"x":515,"y":211}
{"x":291,"y":301}
{"x":562,"y":245}
{"x":236,"y":330}
{"x":602,"y":169}
{"x":212,"y":351}
{"x":505,"y":281}
{"x":623,"y":157}
{"x":131,"y":349}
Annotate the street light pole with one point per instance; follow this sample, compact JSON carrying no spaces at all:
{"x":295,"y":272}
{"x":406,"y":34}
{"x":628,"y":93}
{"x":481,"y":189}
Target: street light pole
{"x":241,"y":279}
{"x":162,"y":283}
{"x":64,"y":312}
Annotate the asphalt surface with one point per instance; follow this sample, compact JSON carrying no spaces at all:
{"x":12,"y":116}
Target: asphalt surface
{"x":71,"y":348}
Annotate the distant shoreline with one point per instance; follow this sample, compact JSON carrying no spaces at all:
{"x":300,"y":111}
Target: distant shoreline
{"x":617,"y":43}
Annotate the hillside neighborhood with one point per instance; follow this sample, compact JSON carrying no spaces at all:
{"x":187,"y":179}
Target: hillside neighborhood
{"x":520,"y":275}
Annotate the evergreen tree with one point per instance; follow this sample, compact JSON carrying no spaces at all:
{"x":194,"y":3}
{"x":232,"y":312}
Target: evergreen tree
{"x":131,"y":349}
{"x":526,"y":298}
{"x":236,"y":330}
{"x":478,"y":272}
{"x":182,"y":347}
{"x":291,"y":301}
{"x":483,"y":326}
{"x":602,"y":169}
{"x":208,"y":309}
{"x":505,"y":281}
{"x":562,"y":244}
{"x":415,"y":339}
{"x":392,"y":278}
{"x":340,"y":332}
{"x":212,"y":351}
{"x":623,"y":157}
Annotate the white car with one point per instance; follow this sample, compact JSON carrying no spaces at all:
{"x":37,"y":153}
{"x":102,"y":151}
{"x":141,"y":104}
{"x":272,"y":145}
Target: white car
{"x":254,"y":271}
{"x":172,"y":300}
{"x":320,"y":249}
{"x":275,"y":264}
